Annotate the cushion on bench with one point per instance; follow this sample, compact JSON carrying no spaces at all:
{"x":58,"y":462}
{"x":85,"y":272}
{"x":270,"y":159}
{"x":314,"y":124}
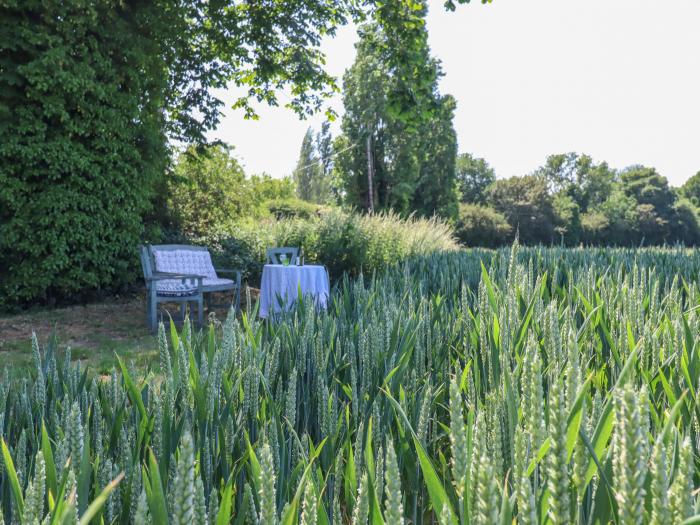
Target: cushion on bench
{"x":176,"y":288}
{"x":190,"y":262}
{"x":217,"y":282}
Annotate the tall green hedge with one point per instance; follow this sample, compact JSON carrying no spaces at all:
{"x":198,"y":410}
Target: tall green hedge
{"x":81,"y":144}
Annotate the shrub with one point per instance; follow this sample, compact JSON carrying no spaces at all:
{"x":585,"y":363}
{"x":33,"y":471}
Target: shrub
{"x":349,"y":242}
{"x":482,"y":226}
{"x":344,"y":242}
{"x":292,"y":208}
{"x":208,"y":191}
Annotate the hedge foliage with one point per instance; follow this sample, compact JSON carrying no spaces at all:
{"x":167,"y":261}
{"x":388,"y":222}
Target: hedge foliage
{"x":80,"y":146}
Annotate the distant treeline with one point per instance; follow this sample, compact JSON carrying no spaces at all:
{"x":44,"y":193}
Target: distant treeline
{"x":574,"y":200}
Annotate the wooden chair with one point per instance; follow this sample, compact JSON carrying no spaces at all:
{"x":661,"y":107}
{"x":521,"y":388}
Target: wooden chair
{"x":277,"y":255}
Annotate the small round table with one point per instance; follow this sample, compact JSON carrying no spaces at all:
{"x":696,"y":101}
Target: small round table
{"x":280,"y":285}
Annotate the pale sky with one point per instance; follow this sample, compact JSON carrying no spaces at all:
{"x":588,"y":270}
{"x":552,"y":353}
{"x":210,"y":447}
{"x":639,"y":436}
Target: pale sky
{"x":617,"y":79}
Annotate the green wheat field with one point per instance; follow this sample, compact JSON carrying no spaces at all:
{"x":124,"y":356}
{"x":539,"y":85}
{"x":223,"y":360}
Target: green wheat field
{"x":526,"y":385}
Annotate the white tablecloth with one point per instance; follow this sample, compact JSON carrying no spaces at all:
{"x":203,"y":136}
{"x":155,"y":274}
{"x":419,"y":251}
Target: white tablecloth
{"x":279,"y":281}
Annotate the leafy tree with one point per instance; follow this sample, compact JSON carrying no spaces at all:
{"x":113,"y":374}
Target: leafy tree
{"x":646,"y":186}
{"x":655,"y":200}
{"x":567,"y":220}
{"x":562,"y":170}
{"x":527,"y":206}
{"x":686,"y":227}
{"x":307,"y":168}
{"x":482,"y":226}
{"x":404,"y":151}
{"x":651,"y":226}
{"x":620,"y":212}
{"x":435,"y":187}
{"x":324,"y":148}
{"x":327,"y":146}
{"x":474,"y":175}
{"x":312,"y":182}
{"x":579,"y":176}
{"x":691,"y":189}
{"x":266,"y":188}
{"x":405,"y":54}
{"x":366,"y":124}
{"x":207,"y":190}
{"x":594,"y":185}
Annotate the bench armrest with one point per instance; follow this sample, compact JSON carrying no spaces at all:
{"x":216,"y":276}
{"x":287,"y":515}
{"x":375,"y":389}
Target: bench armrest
{"x":226,"y":270}
{"x":237,"y":273}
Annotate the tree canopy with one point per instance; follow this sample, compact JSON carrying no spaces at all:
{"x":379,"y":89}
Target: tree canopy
{"x":474,"y":175}
{"x":207,"y":189}
{"x":312,"y":174}
{"x":398,"y":137}
{"x":691,"y":189}
{"x":527,"y":206}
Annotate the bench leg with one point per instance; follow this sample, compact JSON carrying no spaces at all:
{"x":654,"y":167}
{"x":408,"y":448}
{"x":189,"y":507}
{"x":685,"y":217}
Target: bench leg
{"x":200,"y":310}
{"x":153,"y":314}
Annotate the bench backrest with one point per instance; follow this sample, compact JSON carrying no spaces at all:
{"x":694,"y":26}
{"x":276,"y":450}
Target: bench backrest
{"x":180,"y":258}
{"x":146,"y":264}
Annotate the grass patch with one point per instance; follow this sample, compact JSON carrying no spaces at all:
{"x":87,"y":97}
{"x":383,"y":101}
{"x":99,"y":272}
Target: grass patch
{"x":94,"y":332}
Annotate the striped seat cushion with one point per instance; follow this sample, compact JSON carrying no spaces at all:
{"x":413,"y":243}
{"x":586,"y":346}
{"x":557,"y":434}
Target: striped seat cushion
{"x":217,"y":282}
{"x":176,"y":288}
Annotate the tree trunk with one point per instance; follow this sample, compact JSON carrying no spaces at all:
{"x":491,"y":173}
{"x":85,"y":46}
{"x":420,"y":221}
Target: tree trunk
{"x":370,"y":176}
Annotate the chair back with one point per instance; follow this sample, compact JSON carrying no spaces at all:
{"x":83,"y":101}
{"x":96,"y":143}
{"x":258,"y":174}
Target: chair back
{"x":276,"y":255}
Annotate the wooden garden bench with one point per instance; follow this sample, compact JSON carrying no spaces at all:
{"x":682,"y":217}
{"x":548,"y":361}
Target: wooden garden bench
{"x":182,"y":273}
